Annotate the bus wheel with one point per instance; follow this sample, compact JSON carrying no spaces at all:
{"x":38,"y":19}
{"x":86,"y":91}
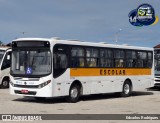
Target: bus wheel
{"x":5,"y":83}
{"x":126,"y":91}
{"x":74,"y":94}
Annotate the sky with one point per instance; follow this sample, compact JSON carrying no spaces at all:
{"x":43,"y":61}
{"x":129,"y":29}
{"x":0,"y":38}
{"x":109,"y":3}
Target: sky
{"x":84,"y":20}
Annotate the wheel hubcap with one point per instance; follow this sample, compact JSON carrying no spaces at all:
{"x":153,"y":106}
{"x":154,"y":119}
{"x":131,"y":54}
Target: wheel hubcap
{"x":74,"y":93}
{"x":126,"y":89}
{"x":5,"y":83}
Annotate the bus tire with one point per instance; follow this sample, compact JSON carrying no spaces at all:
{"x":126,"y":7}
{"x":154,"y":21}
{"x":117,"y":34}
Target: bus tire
{"x":5,"y":83}
{"x":74,"y":94}
{"x":127,"y":88}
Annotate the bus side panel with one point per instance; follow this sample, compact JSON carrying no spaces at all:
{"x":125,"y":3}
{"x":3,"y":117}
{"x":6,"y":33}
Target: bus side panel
{"x":142,"y":82}
{"x":4,"y":73}
{"x":99,"y":84}
{"x":62,"y":84}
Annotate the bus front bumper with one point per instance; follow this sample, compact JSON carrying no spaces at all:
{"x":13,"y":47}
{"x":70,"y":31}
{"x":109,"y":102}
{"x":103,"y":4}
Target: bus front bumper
{"x":33,"y":92}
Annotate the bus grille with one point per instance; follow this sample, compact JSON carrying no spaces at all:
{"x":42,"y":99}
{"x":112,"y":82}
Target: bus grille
{"x":26,"y":86}
{"x":158,"y":77}
{"x":28,"y":79}
{"x":157,"y":84}
{"x":157,"y":80}
{"x":157,"y":74}
{"x":29,"y":93}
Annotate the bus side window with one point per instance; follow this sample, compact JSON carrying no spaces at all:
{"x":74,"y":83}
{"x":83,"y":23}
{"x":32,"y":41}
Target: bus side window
{"x":142,"y":59}
{"x":119,"y":56}
{"x":92,"y":57}
{"x":7,"y":61}
{"x":131,"y":59}
{"x":77,"y":57}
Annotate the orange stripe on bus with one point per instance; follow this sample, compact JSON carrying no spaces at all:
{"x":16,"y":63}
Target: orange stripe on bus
{"x":109,"y":72}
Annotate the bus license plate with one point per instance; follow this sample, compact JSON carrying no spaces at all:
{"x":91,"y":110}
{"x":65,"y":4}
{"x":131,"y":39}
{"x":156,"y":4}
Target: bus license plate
{"x":24,"y":91}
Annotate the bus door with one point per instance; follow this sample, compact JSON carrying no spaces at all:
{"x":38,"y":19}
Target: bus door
{"x":60,"y":60}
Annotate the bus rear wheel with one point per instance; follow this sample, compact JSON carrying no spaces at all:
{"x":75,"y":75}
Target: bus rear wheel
{"x":126,"y":91}
{"x":5,"y":83}
{"x":74,"y":94}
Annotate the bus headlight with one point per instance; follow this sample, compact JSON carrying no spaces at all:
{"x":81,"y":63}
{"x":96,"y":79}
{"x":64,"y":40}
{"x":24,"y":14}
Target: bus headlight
{"x":44,"y":84}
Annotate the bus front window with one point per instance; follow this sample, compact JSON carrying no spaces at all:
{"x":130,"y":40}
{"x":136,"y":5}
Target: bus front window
{"x":34,"y":62}
{"x":157,"y":62}
{"x":1,"y":54}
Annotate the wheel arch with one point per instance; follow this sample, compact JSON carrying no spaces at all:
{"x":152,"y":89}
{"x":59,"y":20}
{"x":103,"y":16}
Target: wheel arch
{"x":77,"y":82}
{"x":6,"y":78}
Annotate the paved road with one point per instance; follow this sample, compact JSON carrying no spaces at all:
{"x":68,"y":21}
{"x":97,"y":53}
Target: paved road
{"x":145,"y":102}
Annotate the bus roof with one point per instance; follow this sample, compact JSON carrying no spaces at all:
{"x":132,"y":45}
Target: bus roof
{"x":82,"y":43}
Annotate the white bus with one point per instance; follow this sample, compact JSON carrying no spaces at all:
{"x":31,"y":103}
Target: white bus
{"x":53,"y":68}
{"x":157,"y":66}
{"x":5,"y":61}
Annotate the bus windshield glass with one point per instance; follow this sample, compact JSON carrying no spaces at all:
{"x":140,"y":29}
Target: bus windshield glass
{"x":157,"y":61}
{"x":1,"y":54}
{"x":31,"y":62}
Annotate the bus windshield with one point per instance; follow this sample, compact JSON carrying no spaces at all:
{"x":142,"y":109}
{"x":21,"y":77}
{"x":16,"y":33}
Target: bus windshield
{"x":157,"y":66}
{"x":157,"y":62}
{"x":31,"y":62}
{"x":1,"y":54}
